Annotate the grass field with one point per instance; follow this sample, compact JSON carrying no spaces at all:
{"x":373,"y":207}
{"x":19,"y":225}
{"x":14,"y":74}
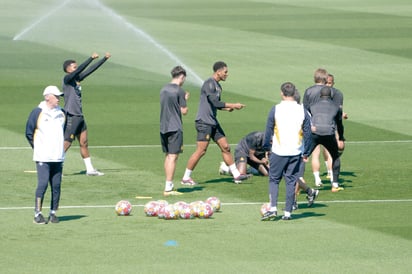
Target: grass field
{"x":367,"y":228}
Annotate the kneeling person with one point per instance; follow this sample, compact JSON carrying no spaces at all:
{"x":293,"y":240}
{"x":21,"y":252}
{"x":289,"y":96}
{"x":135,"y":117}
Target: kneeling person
{"x":249,"y":151}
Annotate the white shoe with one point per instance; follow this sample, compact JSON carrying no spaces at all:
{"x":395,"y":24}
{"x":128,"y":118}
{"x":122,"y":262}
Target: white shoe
{"x":94,"y":173}
{"x":223,"y":169}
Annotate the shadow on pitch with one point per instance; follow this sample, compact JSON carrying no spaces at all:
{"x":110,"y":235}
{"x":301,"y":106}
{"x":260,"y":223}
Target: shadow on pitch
{"x":315,"y":205}
{"x":190,"y":189}
{"x":83,"y":172}
{"x":306,"y":214}
{"x":227,"y":180}
{"x":71,"y":217}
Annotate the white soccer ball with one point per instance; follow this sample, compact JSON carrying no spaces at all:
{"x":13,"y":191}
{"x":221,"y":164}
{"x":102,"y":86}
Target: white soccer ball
{"x":151,"y":208}
{"x":179,"y":205}
{"x":186,"y":212}
{"x":195,"y":206}
{"x":205,"y":210}
{"x":264,"y":208}
{"x":123,"y":208}
{"x":161,"y":211}
{"x":171,"y":212}
{"x":214,"y":202}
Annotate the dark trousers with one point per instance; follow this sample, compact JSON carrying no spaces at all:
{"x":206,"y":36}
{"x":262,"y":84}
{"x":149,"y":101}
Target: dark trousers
{"x":48,"y":172}
{"x":330,"y":143}
{"x":288,"y":168}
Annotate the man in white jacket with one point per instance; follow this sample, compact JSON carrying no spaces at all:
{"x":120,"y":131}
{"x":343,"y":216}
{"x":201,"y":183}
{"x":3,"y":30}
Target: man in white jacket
{"x":45,"y":134}
{"x":288,"y":124}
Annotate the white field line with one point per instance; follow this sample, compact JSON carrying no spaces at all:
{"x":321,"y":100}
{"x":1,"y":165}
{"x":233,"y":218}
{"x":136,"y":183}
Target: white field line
{"x":228,"y":204}
{"x":192,"y":145}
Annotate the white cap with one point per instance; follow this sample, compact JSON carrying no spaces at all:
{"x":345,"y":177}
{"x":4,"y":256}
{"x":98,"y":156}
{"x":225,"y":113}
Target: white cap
{"x":52,"y":90}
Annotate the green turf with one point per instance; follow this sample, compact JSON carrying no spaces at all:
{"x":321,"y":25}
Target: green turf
{"x":367,"y":46}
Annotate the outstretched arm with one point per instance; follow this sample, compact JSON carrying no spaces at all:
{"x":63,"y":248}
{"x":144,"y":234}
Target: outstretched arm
{"x":71,"y":76}
{"x":95,"y":66}
{"x":233,"y":106}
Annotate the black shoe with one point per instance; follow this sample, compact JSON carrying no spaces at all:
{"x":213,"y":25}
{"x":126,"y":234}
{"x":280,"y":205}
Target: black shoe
{"x":311,"y":198}
{"x":286,"y":218}
{"x":39,"y":219}
{"x":295,"y":206}
{"x":269,"y":216}
{"x":53,"y":219}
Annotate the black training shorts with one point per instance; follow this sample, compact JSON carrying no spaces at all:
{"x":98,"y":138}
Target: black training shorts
{"x":172,"y":142}
{"x":74,"y":126}
{"x":206,"y":132}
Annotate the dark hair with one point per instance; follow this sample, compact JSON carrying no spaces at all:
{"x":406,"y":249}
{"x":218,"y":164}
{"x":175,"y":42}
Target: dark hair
{"x":326,"y":92}
{"x":219,"y":65}
{"x":67,"y":63}
{"x":177,"y":71}
{"x":288,"y":89}
{"x":297,"y":96}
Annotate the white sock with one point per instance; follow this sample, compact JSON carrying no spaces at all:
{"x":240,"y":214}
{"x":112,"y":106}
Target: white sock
{"x":316,"y":175}
{"x":335,"y":184}
{"x":287,"y":214}
{"x":326,"y":164}
{"x":53,"y":212}
{"x":88,"y":163}
{"x":234,"y":170}
{"x":168,"y":186}
{"x":187,"y":174}
{"x":273,"y":208}
{"x":37,"y":213}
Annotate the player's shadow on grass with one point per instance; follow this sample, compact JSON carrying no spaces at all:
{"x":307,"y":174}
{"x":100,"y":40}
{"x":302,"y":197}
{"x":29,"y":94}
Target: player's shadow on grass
{"x":304,"y":206}
{"x":106,"y":171}
{"x":71,"y":217}
{"x":343,"y":177}
{"x":227,"y":180}
{"x":329,"y":187}
{"x":190,"y":189}
{"x":306,"y":214}
{"x":347,"y":174}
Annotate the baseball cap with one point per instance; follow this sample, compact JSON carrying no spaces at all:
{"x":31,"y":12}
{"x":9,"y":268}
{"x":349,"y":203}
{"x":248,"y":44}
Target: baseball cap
{"x":52,"y":90}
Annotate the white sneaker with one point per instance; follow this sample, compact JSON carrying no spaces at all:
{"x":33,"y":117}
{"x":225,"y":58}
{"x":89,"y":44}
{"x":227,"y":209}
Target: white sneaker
{"x":223,"y":169}
{"x":318,"y":183}
{"x":94,"y":173}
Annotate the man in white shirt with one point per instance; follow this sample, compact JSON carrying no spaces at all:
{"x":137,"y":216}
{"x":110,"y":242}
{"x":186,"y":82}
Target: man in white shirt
{"x":45,"y":134}
{"x":287,"y":125}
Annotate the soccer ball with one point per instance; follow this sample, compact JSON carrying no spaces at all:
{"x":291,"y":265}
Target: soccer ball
{"x":195,"y":206}
{"x":171,"y":212}
{"x":186,"y":212}
{"x":161,"y":211}
{"x":205,"y":210}
{"x":179,"y":205}
{"x":264,"y":208}
{"x":214,"y":202}
{"x":123,"y":208}
{"x":151,"y":208}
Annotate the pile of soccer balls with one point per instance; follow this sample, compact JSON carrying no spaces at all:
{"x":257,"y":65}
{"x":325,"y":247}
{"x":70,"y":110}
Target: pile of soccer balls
{"x":182,"y":210}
